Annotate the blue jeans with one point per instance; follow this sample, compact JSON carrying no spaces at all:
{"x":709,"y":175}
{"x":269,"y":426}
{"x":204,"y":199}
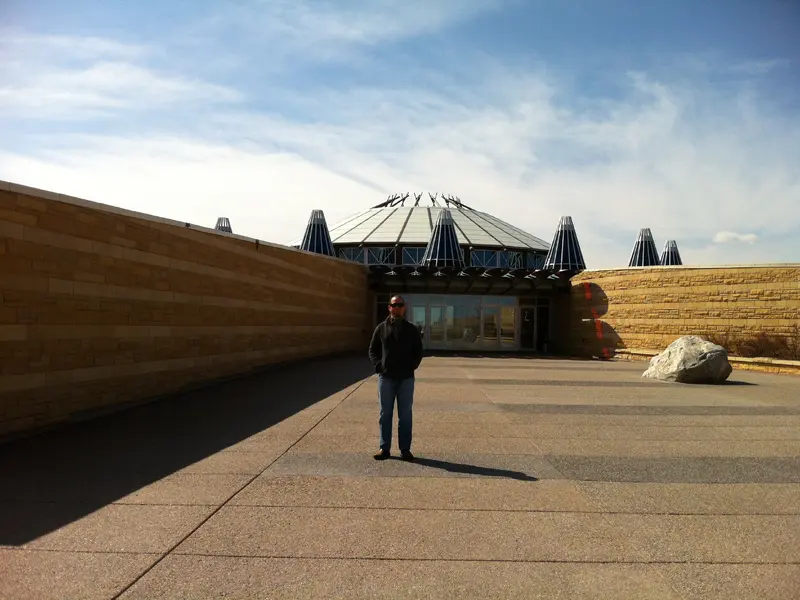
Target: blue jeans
{"x":389,"y":389}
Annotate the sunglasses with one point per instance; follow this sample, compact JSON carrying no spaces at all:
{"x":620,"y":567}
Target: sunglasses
{"x":397,"y":304}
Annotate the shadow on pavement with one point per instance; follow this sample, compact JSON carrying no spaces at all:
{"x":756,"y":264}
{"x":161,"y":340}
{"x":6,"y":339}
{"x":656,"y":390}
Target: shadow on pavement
{"x":504,"y":354}
{"x":55,"y":478}
{"x":472,"y":469}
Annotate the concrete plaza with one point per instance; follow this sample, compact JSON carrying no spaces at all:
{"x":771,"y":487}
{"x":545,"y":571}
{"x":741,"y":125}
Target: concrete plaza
{"x":534,"y":479}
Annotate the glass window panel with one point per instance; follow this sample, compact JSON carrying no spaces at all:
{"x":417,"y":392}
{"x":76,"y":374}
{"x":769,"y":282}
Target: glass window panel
{"x":416,"y":299}
{"x":462,"y":322}
{"x":484,"y":258}
{"x":507,"y":325}
{"x":453,"y":299}
{"x":466,"y":328}
{"x":418,"y":316}
{"x":413,"y":256}
{"x":437,"y":327}
{"x":490,"y":333}
{"x":352,"y":254}
{"x":510,"y":260}
{"x":381,"y":256}
{"x":535,"y":261}
{"x":449,"y":315}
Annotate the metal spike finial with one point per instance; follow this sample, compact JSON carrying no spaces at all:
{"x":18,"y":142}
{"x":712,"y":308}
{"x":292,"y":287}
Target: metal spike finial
{"x":443,"y":249}
{"x":317,"y":237}
{"x":644,"y":252}
{"x":223,"y":224}
{"x":565,"y":252}
{"x":670,"y":256}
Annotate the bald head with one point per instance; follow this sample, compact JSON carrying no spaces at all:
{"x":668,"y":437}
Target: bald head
{"x":397,"y":307}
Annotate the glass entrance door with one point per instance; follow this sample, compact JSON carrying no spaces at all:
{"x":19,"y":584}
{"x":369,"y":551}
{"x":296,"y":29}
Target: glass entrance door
{"x":437,"y":326}
{"x":451,"y":322}
{"x":418,"y":317}
{"x":527,"y":332}
{"x":491,"y":339}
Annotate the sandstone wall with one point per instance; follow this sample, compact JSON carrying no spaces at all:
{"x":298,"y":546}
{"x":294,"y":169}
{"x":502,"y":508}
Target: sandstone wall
{"x":100,"y":306}
{"x":648,"y":308}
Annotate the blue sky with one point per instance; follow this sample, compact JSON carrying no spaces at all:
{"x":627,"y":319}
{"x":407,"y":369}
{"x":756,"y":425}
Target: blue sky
{"x":679,"y":116}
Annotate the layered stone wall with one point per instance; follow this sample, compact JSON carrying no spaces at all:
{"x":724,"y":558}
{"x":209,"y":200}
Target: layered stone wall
{"x":648,"y":308}
{"x":101,"y":306}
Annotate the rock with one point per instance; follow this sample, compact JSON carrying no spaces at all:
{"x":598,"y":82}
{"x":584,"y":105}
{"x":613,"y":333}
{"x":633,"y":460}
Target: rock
{"x":691,"y":359}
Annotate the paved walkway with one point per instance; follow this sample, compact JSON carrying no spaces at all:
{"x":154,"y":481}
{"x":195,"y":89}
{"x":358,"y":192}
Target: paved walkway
{"x":535,"y":479}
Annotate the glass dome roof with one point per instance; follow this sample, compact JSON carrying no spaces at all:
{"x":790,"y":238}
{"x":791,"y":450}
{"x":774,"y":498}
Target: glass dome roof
{"x":392,"y":224}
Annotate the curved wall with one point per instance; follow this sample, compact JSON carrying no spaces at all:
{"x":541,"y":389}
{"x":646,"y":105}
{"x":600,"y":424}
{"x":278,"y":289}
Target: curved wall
{"x":648,"y":308}
{"x":101,"y":306}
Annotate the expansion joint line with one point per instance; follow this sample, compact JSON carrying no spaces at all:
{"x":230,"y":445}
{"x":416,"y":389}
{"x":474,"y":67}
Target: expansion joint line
{"x":234,"y":494}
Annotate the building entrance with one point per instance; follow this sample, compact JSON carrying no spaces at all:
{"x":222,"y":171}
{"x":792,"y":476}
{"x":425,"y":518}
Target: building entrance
{"x":534,"y":331}
{"x":481,"y":323}
{"x":527,"y":329}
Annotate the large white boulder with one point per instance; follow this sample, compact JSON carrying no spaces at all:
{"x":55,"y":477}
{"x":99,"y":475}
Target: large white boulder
{"x":690,"y":359}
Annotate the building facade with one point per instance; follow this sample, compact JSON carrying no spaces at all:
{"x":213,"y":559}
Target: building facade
{"x":472,"y":282}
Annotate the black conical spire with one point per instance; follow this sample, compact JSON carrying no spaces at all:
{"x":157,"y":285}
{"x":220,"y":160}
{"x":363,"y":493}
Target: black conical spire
{"x":644,"y":251}
{"x":670,"y":257}
{"x":317,"y":238}
{"x":443,"y":249}
{"x":565,"y":251}
{"x":223,"y":224}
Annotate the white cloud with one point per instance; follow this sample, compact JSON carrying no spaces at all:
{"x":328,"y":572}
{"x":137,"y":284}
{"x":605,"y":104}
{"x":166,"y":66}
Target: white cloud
{"x":62,"y":47}
{"x":68,"y":93}
{"x":266,"y":196}
{"x":723,"y":237}
{"x":683,"y":159}
{"x":759,"y":67}
{"x":528,"y":158}
{"x":55,"y":77}
{"x":320,"y":26}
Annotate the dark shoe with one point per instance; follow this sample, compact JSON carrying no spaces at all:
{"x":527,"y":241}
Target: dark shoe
{"x":406,"y":454}
{"x":382,"y":455}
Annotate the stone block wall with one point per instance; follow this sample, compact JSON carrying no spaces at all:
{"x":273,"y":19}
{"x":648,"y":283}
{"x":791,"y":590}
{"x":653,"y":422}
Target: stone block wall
{"x":101,"y":306}
{"x":648,"y":308}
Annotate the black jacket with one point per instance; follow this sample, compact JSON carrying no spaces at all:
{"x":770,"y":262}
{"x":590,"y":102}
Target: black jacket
{"x":396,"y":348}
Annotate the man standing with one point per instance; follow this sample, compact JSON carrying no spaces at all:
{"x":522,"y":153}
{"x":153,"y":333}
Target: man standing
{"x":396,"y":352}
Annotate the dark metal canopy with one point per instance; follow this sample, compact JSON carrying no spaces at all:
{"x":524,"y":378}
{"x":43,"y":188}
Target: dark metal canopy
{"x":317,"y":237}
{"x":223,"y":224}
{"x":467,"y":280}
{"x":565,"y":251}
{"x":644,"y":251}
{"x":670,"y":256}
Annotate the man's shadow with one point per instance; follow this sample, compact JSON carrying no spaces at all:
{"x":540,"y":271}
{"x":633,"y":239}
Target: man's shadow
{"x":471,"y":469}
